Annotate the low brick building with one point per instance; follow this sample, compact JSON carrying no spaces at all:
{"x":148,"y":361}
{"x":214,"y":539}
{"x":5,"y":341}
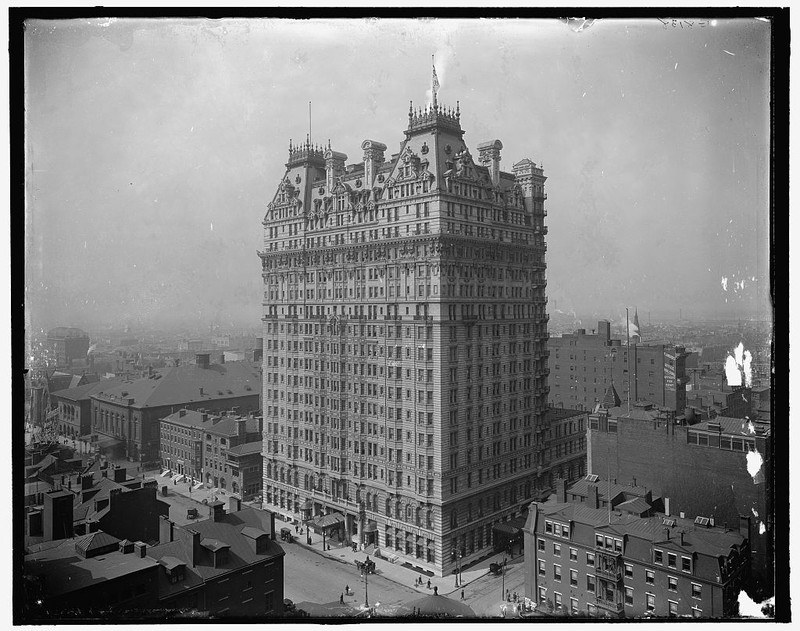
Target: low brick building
{"x":197,"y":444}
{"x":585,"y":560}
{"x":126,"y":417}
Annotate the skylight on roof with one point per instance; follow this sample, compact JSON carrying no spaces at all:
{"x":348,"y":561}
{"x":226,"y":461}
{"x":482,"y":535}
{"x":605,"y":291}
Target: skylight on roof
{"x":592,"y":477}
{"x":701,"y":521}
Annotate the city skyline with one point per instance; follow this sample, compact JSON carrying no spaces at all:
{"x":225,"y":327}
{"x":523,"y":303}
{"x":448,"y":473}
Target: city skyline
{"x":151,"y":145}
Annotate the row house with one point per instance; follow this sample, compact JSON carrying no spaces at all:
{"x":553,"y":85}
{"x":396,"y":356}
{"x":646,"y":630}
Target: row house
{"x":585,"y":560}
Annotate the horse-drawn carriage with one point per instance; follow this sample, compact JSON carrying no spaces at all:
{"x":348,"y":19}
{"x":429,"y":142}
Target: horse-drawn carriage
{"x":367,"y":566}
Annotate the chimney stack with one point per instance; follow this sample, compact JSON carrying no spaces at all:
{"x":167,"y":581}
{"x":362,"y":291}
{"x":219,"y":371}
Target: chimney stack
{"x":234,"y":505}
{"x":334,"y":167}
{"x":140,"y":549}
{"x":120,"y":474}
{"x":373,"y":158}
{"x":202,"y":359}
{"x":561,"y":490}
{"x":744,"y":526}
{"x":216,"y":511}
{"x":166,"y":530}
{"x":489,"y":156}
{"x":241,"y":429}
{"x":594,"y":499}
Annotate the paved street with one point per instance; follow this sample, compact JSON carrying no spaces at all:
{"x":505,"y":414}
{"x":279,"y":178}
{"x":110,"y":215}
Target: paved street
{"x":311,"y":576}
{"x":485,"y":594}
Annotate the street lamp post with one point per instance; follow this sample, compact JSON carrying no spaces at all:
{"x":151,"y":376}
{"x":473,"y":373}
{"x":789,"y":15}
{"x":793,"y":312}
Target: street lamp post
{"x":365,"y":573}
{"x":503,"y":588}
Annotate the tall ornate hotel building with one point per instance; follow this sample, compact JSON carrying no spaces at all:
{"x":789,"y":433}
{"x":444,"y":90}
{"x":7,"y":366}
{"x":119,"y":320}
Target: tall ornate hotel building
{"x":405,"y":330}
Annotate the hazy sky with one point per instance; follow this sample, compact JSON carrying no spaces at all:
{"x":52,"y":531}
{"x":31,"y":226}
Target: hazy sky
{"x":155,"y":145}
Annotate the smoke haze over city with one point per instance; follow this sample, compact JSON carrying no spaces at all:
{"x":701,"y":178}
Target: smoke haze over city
{"x":154,"y":147}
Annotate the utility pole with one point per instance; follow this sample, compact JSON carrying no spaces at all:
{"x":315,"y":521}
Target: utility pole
{"x":365,"y":572}
{"x":503,"y":588}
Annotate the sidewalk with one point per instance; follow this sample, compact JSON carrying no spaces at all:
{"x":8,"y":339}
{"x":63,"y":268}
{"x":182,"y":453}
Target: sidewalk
{"x":394,"y":572}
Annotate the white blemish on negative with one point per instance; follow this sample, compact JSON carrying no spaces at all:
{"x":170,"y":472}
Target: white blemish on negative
{"x":738,"y":366}
{"x":724,"y":283}
{"x":748,"y":608}
{"x":761,"y":528}
{"x":754,"y":462}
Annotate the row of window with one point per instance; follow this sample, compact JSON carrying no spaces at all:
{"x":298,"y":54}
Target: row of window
{"x":591,"y":608}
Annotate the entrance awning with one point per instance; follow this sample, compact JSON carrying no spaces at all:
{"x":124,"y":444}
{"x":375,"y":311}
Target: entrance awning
{"x":307,"y":505}
{"x":371,"y":527}
{"x":327,"y":521}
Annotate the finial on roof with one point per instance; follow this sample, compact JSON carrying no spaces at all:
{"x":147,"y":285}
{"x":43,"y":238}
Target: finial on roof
{"x":458,"y":112}
{"x":410,"y":109}
{"x":329,"y":144}
{"x":290,"y":145}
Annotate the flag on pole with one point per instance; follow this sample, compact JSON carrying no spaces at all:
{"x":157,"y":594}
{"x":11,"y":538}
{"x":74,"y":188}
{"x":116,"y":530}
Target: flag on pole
{"x":634,"y":325}
{"x":434,"y":83}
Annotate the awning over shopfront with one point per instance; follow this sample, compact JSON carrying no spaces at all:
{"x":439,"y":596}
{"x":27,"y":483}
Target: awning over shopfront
{"x":327,"y":521}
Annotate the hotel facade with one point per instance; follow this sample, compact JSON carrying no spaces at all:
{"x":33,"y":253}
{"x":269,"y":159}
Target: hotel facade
{"x":405,"y":331}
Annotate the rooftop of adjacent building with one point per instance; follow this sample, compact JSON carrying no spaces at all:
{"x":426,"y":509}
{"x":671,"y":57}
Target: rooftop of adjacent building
{"x":84,"y":392}
{"x":246,"y":449}
{"x":186,"y":383}
{"x":670,"y":532}
{"x":559,"y":414}
{"x":68,"y":565}
{"x":237,"y":531}
{"x":734,"y":426}
{"x":222,"y":424}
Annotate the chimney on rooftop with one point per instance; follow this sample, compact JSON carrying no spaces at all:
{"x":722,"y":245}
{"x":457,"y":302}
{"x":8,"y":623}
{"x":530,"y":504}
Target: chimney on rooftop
{"x":234,"y":505}
{"x":202,"y":359}
{"x":666,"y":506}
{"x":216,"y":511}
{"x":165,"y":530}
{"x":373,"y":159}
{"x":594,"y":499}
{"x":334,"y":167}
{"x":489,"y":156}
{"x":241,"y":428}
{"x":120,"y":474}
{"x":561,"y":490}
{"x":140,"y":549}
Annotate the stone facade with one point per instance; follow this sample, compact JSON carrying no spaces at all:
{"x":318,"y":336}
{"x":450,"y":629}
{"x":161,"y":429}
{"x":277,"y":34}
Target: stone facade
{"x":405,"y":367}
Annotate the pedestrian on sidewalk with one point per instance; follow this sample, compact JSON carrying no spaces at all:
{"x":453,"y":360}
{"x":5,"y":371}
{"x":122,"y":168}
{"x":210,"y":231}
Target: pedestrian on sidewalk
{"x":347,"y":589}
{"x":462,"y":594}
{"x":296,"y":528}
{"x":429,"y":583}
{"x":341,"y":599}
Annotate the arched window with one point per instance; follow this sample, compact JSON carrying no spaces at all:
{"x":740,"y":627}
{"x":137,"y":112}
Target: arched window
{"x":388,"y":507}
{"x":429,"y":519}
{"x":305,"y":482}
{"x":418,"y":516}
